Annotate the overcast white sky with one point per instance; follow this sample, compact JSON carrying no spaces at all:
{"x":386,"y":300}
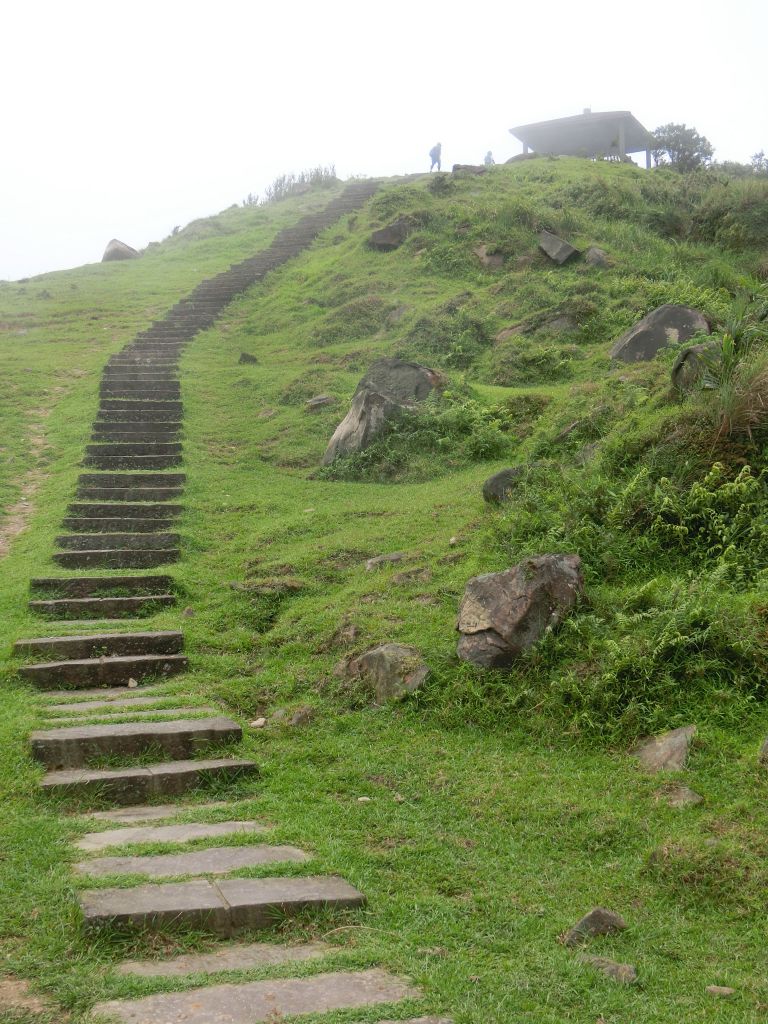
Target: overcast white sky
{"x":125,"y":119}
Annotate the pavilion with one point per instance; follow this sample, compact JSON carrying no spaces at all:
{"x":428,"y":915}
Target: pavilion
{"x":613,"y":133}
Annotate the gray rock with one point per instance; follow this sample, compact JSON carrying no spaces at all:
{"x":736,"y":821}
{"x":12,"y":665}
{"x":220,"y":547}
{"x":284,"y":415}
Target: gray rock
{"x":379,"y":560}
{"x":242,"y":957}
{"x":94,"y":842}
{"x":558,"y":250}
{"x":625,"y":974}
{"x":469,"y":169}
{"x":598,"y":921}
{"x":318,"y":402}
{"x":491,"y":260}
{"x":679,"y":796}
{"x":389,"y":387}
{"x":762,"y":757}
{"x":498,"y":488}
{"x":247,"y":359}
{"x":219,"y":860}
{"x":117,"y":250}
{"x":667,"y":325}
{"x":693,"y":362}
{"x":502,"y":614}
{"x":723,"y":991}
{"x":667,"y":752}
{"x":302,"y":716}
{"x":392,"y":236}
{"x":596,"y":257}
{"x":560,"y":324}
{"x":394,"y":670}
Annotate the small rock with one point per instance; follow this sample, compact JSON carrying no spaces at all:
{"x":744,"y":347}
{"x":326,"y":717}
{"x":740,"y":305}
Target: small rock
{"x":379,"y":560}
{"x":247,"y":359}
{"x":469,"y":169}
{"x":132,"y":684}
{"x":302,"y":716}
{"x":667,"y":752}
{"x":491,"y":260}
{"x":598,"y":921}
{"x":625,"y":974}
{"x":392,"y":236}
{"x":679,"y":796}
{"x":278,"y":716}
{"x":394,"y":670}
{"x":318,"y":402}
{"x":499,"y":487}
{"x":558,"y":250}
{"x":453,"y":541}
{"x":720,"y":990}
{"x":419,"y":575}
{"x":258,"y":723}
{"x":692,"y":363}
{"x":188,"y":612}
{"x":363,"y":799}
{"x":597,"y":257}
{"x":399,"y":798}
{"x":346,"y":634}
{"x":762,"y":757}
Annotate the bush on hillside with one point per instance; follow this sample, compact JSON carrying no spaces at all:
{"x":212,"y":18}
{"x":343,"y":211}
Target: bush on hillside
{"x":356,"y":319}
{"x":454,"y":339}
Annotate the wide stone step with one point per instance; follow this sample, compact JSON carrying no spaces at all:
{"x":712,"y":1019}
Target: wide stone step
{"x":128,"y":462}
{"x":225,"y":908}
{"x":123,"y":524}
{"x":74,"y":746}
{"x":138,"y":416}
{"x":125,"y":406}
{"x":137,"y":427}
{"x":219,"y":860}
{"x":144,"y":393}
{"x":140,"y":480}
{"x":234,"y":957}
{"x":137,"y":785}
{"x":135,"y":448}
{"x":128,"y":715}
{"x":152,"y":812}
{"x":90,"y":586}
{"x":133,"y":374}
{"x":114,"y":541}
{"x":102,"y":644}
{"x":95,"y":707}
{"x":119,"y":559}
{"x":98,"y":693}
{"x":130,"y":494}
{"x":132,"y":436}
{"x":107,"y":671}
{"x":183,"y":832}
{"x":102,"y":607}
{"x":255,"y":1001}
{"x":113,"y":510}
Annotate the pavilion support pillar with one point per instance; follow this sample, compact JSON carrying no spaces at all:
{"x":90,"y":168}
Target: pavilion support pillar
{"x":622,"y":141}
{"x":648,"y":159}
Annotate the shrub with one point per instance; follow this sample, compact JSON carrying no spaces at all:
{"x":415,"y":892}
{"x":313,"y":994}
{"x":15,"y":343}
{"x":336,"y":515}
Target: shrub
{"x":455,"y":339}
{"x":356,"y":319}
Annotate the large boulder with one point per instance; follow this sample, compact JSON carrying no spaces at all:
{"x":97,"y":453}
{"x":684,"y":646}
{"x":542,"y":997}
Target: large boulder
{"x":558,"y":250}
{"x":502,"y":614}
{"x":693,"y":362}
{"x":667,"y":325}
{"x":389,"y":386}
{"x":392,"y":236}
{"x":497,"y":488}
{"x":117,"y":250}
{"x":394,"y":670}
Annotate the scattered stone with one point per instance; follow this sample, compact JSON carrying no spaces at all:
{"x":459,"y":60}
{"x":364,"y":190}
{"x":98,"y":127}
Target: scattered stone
{"x":117,"y":250}
{"x":723,"y":991}
{"x":247,"y":359}
{"x":596,"y":257}
{"x":558,"y":250}
{"x":524,"y":262}
{"x":132,"y":684}
{"x":258,"y":723}
{"x":469,"y":169}
{"x":502,"y":614}
{"x":667,"y":752}
{"x":364,"y":799}
{"x":188,"y":613}
{"x":692,"y":363}
{"x":346,"y":634}
{"x":491,"y":260}
{"x":762,"y":757}
{"x":392,"y":236}
{"x":394,"y":670}
{"x":679,"y":796}
{"x":625,"y":974}
{"x":499,"y":487}
{"x":229,"y":958}
{"x":279,"y":716}
{"x":379,"y":560}
{"x":667,"y":325}
{"x":453,"y":541}
{"x":389,"y":387}
{"x":318,"y":402}
{"x":422,"y":574}
{"x":598,"y":921}
{"x":302,"y":716}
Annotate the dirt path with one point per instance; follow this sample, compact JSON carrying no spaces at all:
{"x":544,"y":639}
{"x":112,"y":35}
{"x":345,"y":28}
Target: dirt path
{"x":18,"y":515}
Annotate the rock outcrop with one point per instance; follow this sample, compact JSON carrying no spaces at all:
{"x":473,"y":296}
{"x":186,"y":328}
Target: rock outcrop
{"x":502,"y":614}
{"x":692,"y":363}
{"x":598,"y":921}
{"x":497,"y":488}
{"x":558,"y":250}
{"x":667,"y":752}
{"x":394,"y":670}
{"x":117,"y":250}
{"x":392,"y":236}
{"x":389,"y":387}
{"x":667,"y":325}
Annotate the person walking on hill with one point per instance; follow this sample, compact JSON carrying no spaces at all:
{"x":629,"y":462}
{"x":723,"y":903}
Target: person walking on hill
{"x":488,"y":159}
{"x":434,"y":155}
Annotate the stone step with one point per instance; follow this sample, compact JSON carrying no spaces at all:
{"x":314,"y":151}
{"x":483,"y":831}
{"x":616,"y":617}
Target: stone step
{"x":98,"y":693}
{"x":138,"y":416}
{"x":124,"y":406}
{"x":97,"y":608}
{"x":102,"y":644}
{"x":253,"y":1002}
{"x":119,"y":559}
{"x":133,"y":374}
{"x":74,"y":746}
{"x":90,"y":586}
{"x":218,"y":860}
{"x":131,"y":436}
{"x":127,"y":715}
{"x":95,"y":707}
{"x":130,"y":494}
{"x":234,"y":957}
{"x":183,"y":832}
{"x":110,"y":510}
{"x":84,"y":672}
{"x":116,"y":541}
{"x":132,"y":479}
{"x":141,"y":392}
{"x":153,"y":812}
{"x":226,"y":907}
{"x":137,"y":427}
{"x":128,"y":462}
{"x":123,"y":524}
{"x":137,"y":785}
{"x":135,"y":448}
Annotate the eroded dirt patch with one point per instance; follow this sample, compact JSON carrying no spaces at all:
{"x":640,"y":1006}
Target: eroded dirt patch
{"x":18,"y":515}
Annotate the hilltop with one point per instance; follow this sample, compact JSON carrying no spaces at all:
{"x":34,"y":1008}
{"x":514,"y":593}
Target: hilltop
{"x":501,"y":805}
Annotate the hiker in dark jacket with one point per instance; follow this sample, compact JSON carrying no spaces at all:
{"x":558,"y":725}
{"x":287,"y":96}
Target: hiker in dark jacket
{"x":434,"y":156}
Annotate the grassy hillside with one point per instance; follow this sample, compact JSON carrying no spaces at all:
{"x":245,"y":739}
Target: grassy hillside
{"x":502,"y":805}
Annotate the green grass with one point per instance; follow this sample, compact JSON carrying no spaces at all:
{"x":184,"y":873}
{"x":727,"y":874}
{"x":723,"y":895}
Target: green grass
{"x":502,"y":807}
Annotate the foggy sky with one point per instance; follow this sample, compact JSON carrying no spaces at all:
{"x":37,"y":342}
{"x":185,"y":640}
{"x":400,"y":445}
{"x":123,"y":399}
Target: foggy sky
{"x":125,"y":120}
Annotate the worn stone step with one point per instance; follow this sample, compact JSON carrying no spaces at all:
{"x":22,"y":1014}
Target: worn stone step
{"x":115,"y":510}
{"x":133,"y":374}
{"x":226,"y":907}
{"x":218,"y":860}
{"x":126,"y":406}
{"x":101,"y":693}
{"x":256,"y":1001}
{"x":102,"y":644}
{"x":116,"y":541}
{"x":74,"y":746}
{"x":140,"y":480}
{"x":233,"y":957}
{"x":83,"y":672}
{"x":128,"y":462}
{"x":90,"y":586}
{"x":146,"y":558}
{"x":138,"y":416}
{"x":95,"y":707}
{"x":183,"y":832}
{"x":130,"y":494}
{"x":137,"y":428}
{"x":135,"y":448}
{"x":153,"y":812}
{"x":143,"y":393}
{"x":137,"y":785}
{"x":96,"y":608}
{"x":128,"y":714}
{"x":131,"y":436}
{"x":122,"y":524}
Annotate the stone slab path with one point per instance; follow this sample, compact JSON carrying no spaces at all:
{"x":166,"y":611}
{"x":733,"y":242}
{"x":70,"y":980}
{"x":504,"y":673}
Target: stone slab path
{"x":100,"y":699}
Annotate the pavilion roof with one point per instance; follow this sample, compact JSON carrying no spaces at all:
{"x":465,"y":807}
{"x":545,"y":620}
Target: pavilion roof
{"x":584,"y":134}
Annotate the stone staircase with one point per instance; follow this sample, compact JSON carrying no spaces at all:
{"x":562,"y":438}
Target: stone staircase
{"x":115,"y":733}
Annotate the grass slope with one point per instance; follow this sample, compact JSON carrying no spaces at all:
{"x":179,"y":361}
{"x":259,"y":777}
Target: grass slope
{"x":502,"y":807}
